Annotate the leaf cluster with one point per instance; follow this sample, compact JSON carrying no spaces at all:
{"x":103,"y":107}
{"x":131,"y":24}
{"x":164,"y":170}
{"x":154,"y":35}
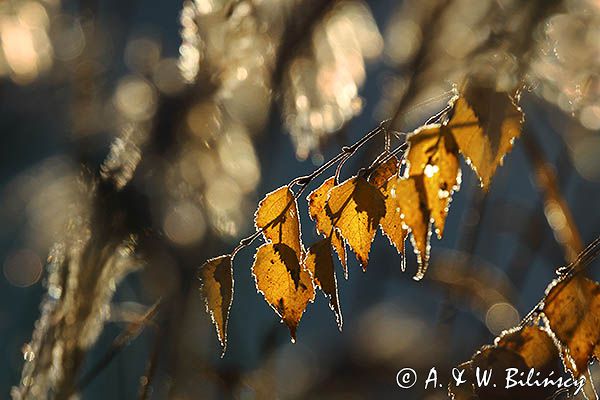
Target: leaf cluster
{"x":405,"y":193}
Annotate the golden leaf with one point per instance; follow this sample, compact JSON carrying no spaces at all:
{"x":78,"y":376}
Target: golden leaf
{"x":320,"y":264}
{"x":385,"y":171}
{"x":485,"y":124}
{"x":523,"y":348}
{"x":406,"y":207}
{"x":316,"y":209}
{"x":391,"y":223}
{"x":573,"y":311}
{"x":216,"y":275}
{"x":433,"y":154}
{"x":337,"y":242}
{"x":356,"y":207}
{"x":277,"y":216}
{"x":533,"y":344}
{"x":286,"y":286}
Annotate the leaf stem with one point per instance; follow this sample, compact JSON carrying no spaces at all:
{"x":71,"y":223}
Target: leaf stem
{"x":347,"y":151}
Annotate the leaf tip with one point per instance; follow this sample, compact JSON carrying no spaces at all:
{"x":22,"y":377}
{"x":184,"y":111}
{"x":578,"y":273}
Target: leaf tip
{"x":292,"y":329}
{"x":418,"y":276}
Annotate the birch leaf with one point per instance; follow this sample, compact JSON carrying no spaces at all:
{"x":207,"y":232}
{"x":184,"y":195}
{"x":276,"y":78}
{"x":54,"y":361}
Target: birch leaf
{"x":533,"y":344}
{"x":391,"y":223}
{"x":485,"y":124}
{"x":216,"y":276}
{"x":316,"y":209}
{"x":356,"y":207}
{"x":433,"y":154}
{"x":286,"y":286}
{"x":523,"y":348}
{"x":320,"y":265}
{"x":277,"y":216}
{"x":406,"y":207}
{"x":384,"y":172}
{"x":573,"y":311}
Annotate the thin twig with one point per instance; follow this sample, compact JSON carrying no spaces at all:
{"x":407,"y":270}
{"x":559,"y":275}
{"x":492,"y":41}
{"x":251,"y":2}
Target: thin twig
{"x":417,"y":66}
{"x":146,"y":381}
{"x":386,"y":157}
{"x":304,"y":181}
{"x":129,"y":333}
{"x":297,"y":36}
{"x":548,"y":185}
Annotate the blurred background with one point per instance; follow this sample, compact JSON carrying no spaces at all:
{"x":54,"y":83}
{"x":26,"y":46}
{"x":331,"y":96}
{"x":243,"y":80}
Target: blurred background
{"x":138,"y":137}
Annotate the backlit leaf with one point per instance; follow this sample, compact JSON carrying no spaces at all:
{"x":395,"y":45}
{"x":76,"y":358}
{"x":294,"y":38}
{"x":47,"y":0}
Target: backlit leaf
{"x":523,"y":348}
{"x":320,"y":264}
{"x":277,"y":216}
{"x":216,"y":275}
{"x":337,"y":242}
{"x":391,"y":223}
{"x":485,"y":124}
{"x":316,"y":209}
{"x":286,"y":286}
{"x":533,"y":344}
{"x":573,"y":311}
{"x":433,"y":154}
{"x":406,"y":207}
{"x":356,"y":207}
{"x":384,"y":172}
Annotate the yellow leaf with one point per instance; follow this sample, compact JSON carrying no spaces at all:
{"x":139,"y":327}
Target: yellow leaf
{"x":356,"y":207}
{"x":277,"y":216}
{"x":433,"y":154}
{"x":522,"y":348}
{"x":286,"y":286}
{"x":533,"y":344}
{"x":337,"y":242}
{"x":391,"y":223}
{"x":316,"y":209}
{"x":320,"y":264}
{"x":384,"y":172}
{"x":216,"y":275}
{"x":485,"y":124}
{"x":406,"y":207}
{"x":573,"y":310}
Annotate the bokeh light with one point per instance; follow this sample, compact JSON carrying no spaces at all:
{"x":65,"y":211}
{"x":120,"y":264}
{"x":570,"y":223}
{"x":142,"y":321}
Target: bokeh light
{"x":500,"y":317}
{"x":22,"y":268}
